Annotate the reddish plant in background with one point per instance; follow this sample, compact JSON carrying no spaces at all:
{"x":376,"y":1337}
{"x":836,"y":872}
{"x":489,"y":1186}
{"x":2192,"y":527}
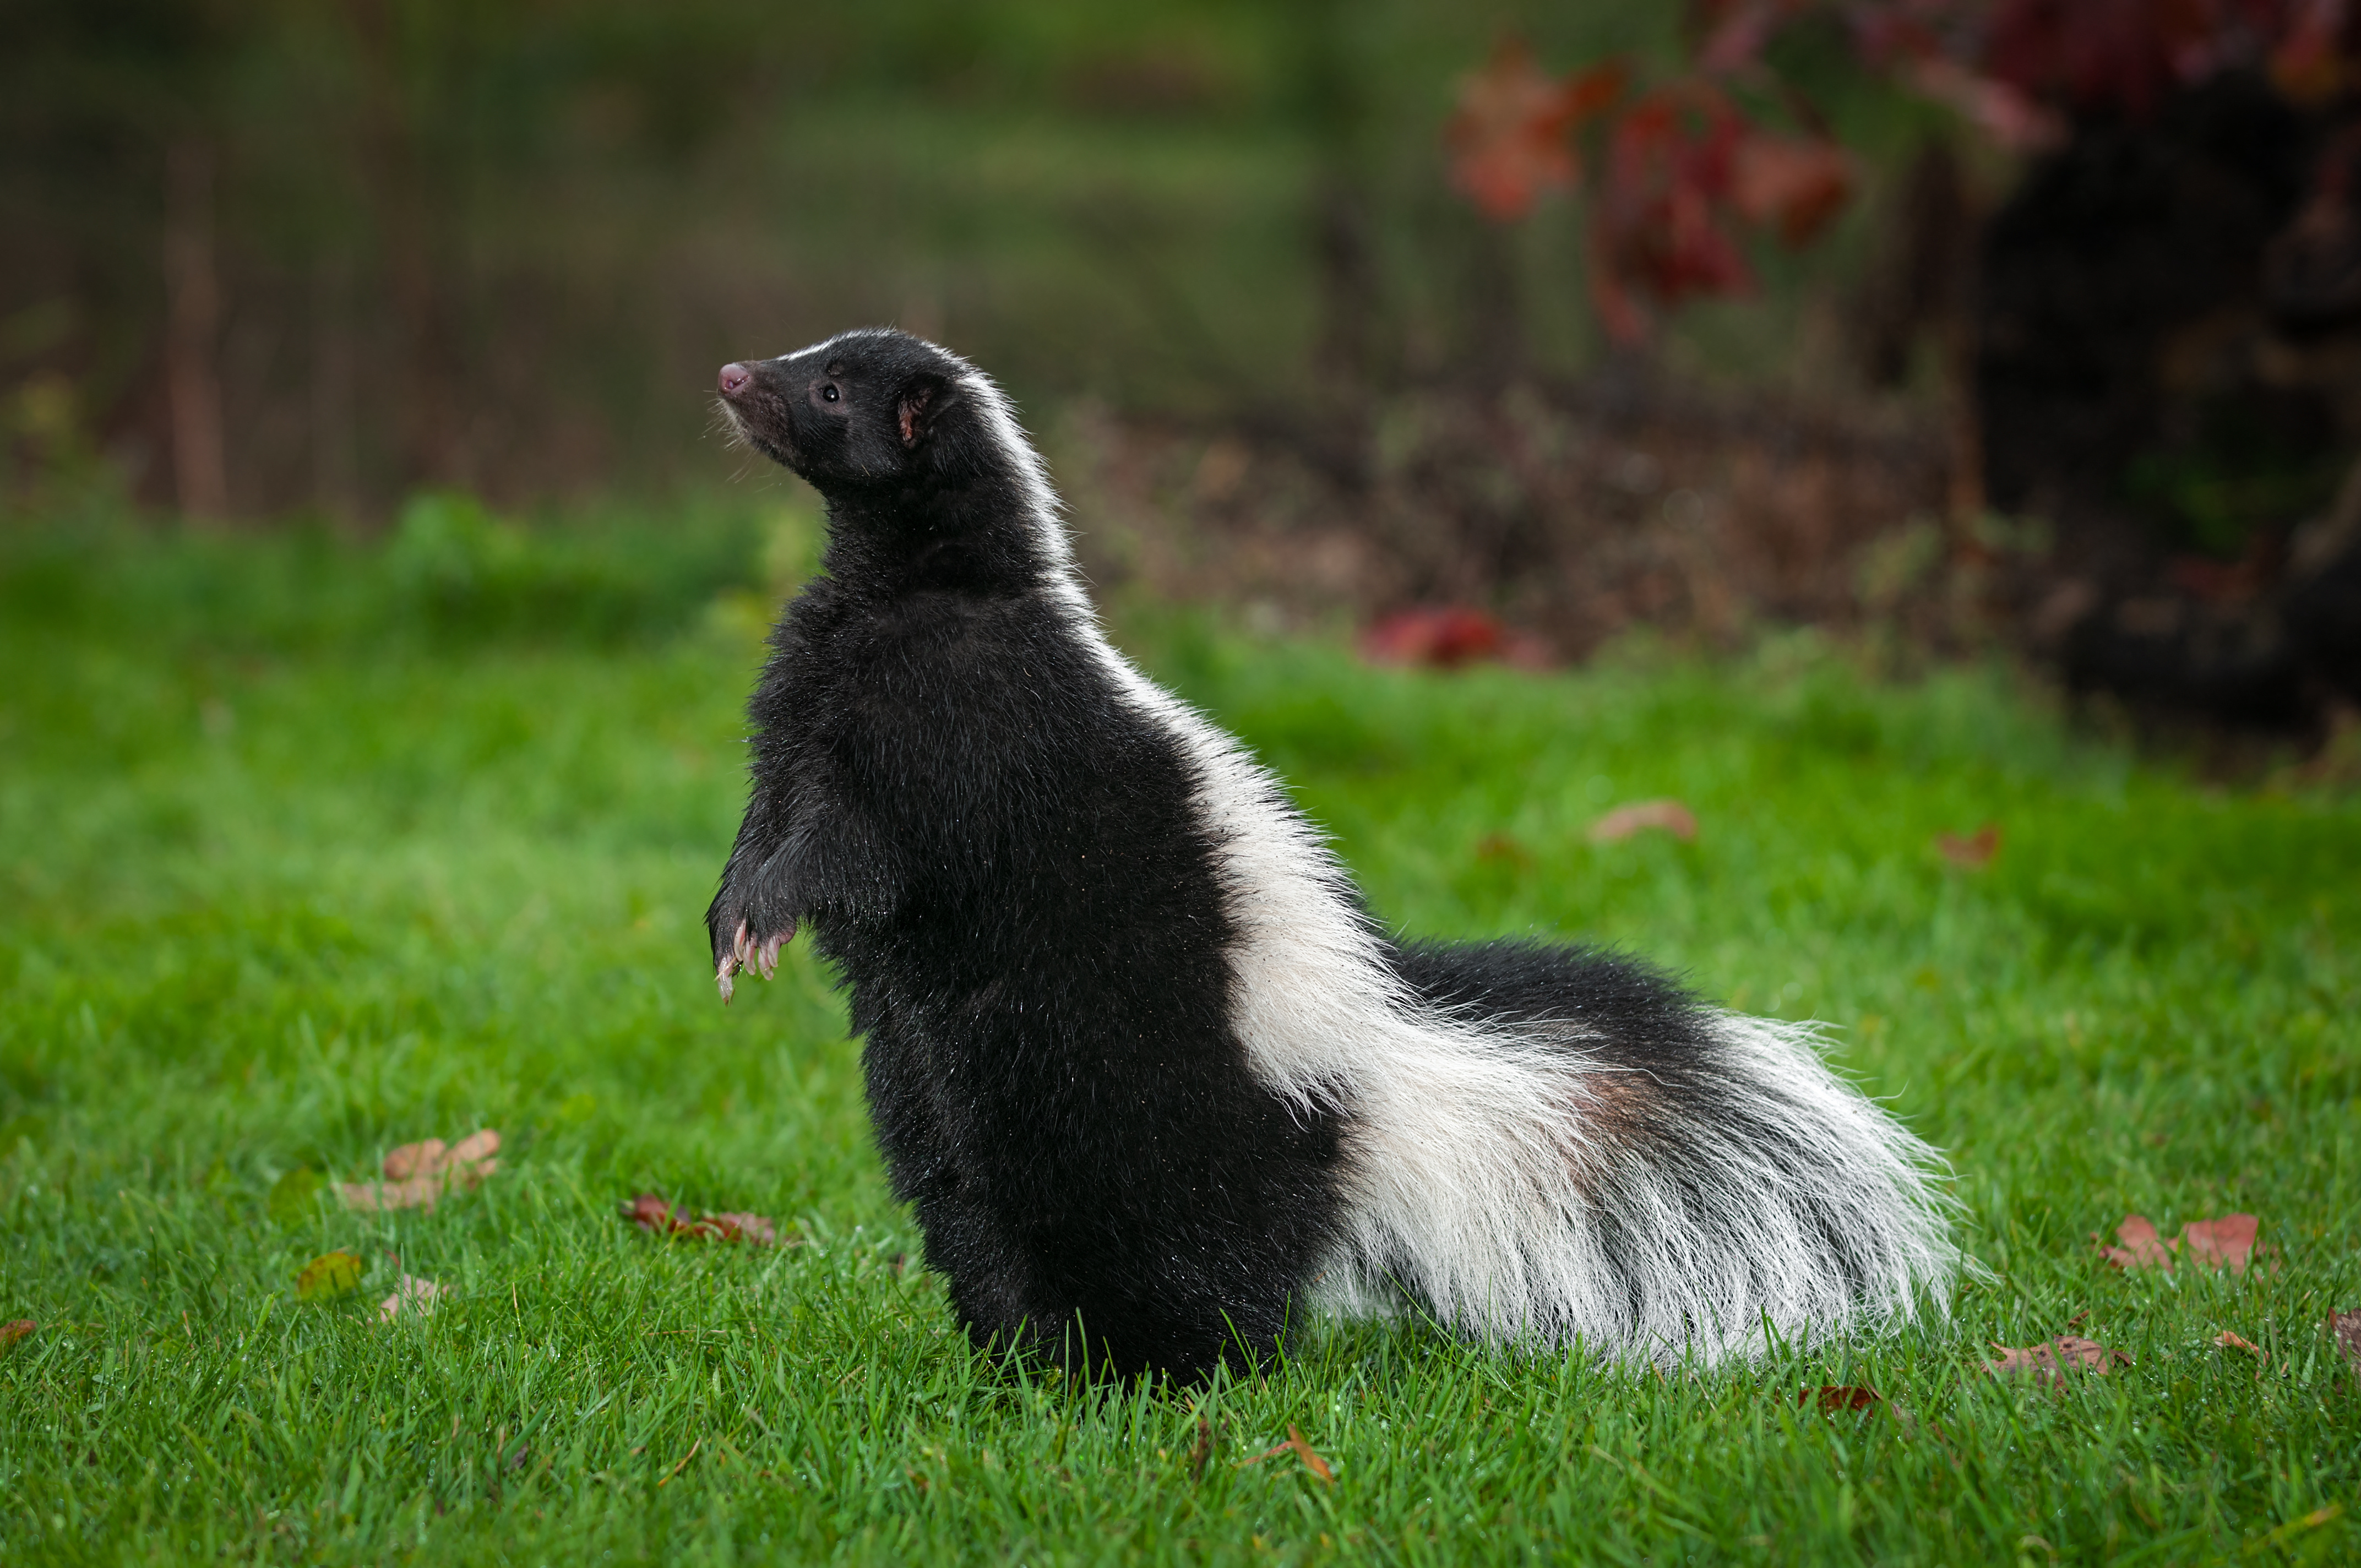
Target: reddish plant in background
{"x":1685,"y":167}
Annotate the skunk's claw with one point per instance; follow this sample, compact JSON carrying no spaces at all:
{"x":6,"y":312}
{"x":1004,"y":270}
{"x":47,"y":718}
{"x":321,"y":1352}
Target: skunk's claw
{"x":749,"y":955}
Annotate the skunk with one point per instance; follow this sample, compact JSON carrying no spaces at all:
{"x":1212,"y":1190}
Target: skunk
{"x":1137,"y":1053}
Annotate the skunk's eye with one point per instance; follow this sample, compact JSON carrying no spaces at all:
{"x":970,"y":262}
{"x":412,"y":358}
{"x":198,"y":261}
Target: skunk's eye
{"x":828,"y":394}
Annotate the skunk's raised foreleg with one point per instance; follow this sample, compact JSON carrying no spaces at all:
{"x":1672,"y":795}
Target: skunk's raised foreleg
{"x":824,"y":857}
{"x":754,"y":913}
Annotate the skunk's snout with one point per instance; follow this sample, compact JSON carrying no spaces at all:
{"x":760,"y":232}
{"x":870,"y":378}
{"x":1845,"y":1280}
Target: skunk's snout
{"x":735,"y":378}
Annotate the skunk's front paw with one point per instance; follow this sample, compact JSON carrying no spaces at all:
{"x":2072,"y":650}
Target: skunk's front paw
{"x":748,"y":952}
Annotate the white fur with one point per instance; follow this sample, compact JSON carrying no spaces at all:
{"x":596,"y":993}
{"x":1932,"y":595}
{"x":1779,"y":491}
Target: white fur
{"x":1479,"y":1174}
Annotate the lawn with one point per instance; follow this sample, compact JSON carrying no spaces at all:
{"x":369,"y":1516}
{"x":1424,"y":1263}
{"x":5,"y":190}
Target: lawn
{"x":307,"y":852}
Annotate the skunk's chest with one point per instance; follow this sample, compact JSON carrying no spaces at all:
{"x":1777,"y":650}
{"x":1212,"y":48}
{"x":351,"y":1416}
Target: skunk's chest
{"x":1027,"y":806}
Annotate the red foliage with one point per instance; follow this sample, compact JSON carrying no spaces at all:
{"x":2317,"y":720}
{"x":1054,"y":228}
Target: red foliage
{"x":1683,"y":164}
{"x":1656,"y":227}
{"x":1508,"y":137}
{"x":1445,"y":637}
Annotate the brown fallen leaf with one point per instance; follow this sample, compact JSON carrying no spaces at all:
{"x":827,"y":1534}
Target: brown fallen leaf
{"x":330,"y":1274}
{"x":1831,"y":1398}
{"x":412,"y":1295}
{"x":2229,"y":1341}
{"x":2048,"y":1363}
{"x":2226,"y":1242}
{"x":1625,"y":820}
{"x":2141,"y":1247}
{"x":14,"y":1330}
{"x":417,"y":1175}
{"x":1301,"y":1450}
{"x":751,"y":1228}
{"x":656,"y":1217}
{"x":1973,"y":852}
{"x":1312,"y":1461}
{"x":2345,"y":1327}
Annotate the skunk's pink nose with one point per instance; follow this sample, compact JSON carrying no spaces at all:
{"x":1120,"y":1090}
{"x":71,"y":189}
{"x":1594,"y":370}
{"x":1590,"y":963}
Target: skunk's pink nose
{"x":735,"y":378}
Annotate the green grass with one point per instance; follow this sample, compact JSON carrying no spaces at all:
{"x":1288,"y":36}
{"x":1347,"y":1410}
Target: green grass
{"x":306,"y":852}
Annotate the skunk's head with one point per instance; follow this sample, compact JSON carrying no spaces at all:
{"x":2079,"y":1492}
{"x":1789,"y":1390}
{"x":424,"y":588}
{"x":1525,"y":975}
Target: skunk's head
{"x":868,"y":409}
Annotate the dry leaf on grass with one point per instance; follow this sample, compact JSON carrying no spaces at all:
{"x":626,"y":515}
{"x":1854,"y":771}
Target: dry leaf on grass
{"x":1202,"y":1451}
{"x":2345,"y":1327}
{"x":1973,"y":852}
{"x":1301,"y":1450}
{"x":412,"y":1296}
{"x":2226,"y":1242}
{"x":1832,"y":1398}
{"x":1625,"y":820}
{"x":2229,"y":1341}
{"x":14,"y":1329}
{"x":2140,"y":1249}
{"x":417,"y":1175}
{"x":2048,"y":1363}
{"x":330,"y":1274}
{"x":656,"y":1217}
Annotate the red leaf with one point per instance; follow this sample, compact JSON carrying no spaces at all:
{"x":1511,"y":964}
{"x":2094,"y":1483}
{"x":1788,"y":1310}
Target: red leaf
{"x":1791,"y":185}
{"x":2226,"y":1242}
{"x":1508,"y":136}
{"x":14,"y":1329}
{"x":1654,"y":229}
{"x":2048,"y":1363}
{"x":752,"y":1228}
{"x":651,"y":1214}
{"x":2229,"y":1341}
{"x":1443,"y":637}
{"x":1625,"y":820}
{"x":2141,"y":1247}
{"x":1973,"y":852}
{"x":656,"y":1217}
{"x":418,"y":1175}
{"x":414,"y":1296}
{"x":1831,"y":1398}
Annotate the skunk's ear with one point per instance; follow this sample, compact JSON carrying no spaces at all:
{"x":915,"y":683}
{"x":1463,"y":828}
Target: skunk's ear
{"x":920,"y":404}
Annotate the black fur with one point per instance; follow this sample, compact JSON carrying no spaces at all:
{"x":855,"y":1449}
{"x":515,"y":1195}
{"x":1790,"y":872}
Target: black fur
{"x":1002,"y":859}
{"x":1002,"y":856}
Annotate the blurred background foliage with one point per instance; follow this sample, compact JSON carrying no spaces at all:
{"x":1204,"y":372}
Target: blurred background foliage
{"x":503,"y":245}
{"x":262,"y":260}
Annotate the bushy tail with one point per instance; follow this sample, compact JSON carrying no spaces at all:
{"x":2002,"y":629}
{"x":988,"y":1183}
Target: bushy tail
{"x":1535,"y":1190}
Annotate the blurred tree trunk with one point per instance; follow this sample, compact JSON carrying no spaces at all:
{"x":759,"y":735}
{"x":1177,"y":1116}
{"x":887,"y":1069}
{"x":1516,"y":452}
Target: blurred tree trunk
{"x":432,"y":446}
{"x":193,"y":307}
{"x":336,"y":469}
{"x":1345,"y":267}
